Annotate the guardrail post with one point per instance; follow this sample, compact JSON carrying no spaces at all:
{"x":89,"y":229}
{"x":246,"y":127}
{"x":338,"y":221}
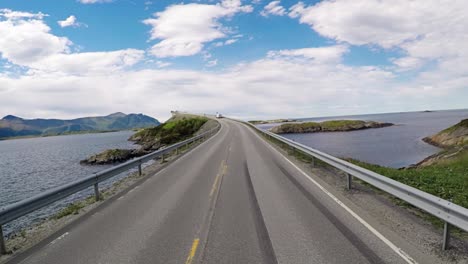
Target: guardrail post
{"x":177,"y":151}
{"x":96,"y":192}
{"x":349,"y":181}
{"x":446,"y":239}
{"x":312,"y":162}
{"x":3,"y":250}
{"x":139,"y":169}
{"x":162,"y":158}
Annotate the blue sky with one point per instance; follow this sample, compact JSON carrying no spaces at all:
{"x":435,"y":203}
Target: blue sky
{"x":250,"y":59}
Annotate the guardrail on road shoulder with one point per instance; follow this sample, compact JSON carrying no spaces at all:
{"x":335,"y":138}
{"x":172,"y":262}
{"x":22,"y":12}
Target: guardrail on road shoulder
{"x":450,"y":213}
{"x":21,"y":208}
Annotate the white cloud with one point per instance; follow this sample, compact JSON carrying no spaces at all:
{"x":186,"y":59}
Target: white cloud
{"x":426,"y":29}
{"x":88,"y":62}
{"x":280,"y":85}
{"x":429,"y":32}
{"x":408,"y":63}
{"x":230,"y":41}
{"x":212,"y":63}
{"x":184,"y":29}
{"x":94,"y":1}
{"x":273,"y":8}
{"x":320,"y":55}
{"x":10,"y":14}
{"x":225,"y":43}
{"x":163,"y":64}
{"x":27,"y":38}
{"x":27,"y":41}
{"x":69,"y":22}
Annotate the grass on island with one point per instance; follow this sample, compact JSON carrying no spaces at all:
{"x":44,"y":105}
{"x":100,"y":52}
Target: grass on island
{"x":337,"y":124}
{"x":302,"y":126}
{"x":174,"y":130}
{"x":462,"y":124}
{"x":332,"y":125}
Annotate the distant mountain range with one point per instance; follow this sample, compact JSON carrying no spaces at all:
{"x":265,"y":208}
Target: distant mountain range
{"x":13,"y":126}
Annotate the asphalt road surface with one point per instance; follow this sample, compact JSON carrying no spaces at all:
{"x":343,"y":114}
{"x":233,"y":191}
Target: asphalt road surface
{"x":233,"y":199}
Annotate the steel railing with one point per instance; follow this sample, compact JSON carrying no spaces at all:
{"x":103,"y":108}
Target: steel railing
{"x":448,"y":212}
{"x":24,"y":207}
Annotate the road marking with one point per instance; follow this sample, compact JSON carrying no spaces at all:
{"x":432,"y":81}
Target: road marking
{"x":396,"y":249}
{"x":59,"y":238}
{"x":223,"y":170}
{"x":193,"y":251}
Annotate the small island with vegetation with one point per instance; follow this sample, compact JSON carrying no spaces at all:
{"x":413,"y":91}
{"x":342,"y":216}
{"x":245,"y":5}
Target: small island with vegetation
{"x":179,"y":127}
{"x":327,"y":126}
{"x":273,"y":121}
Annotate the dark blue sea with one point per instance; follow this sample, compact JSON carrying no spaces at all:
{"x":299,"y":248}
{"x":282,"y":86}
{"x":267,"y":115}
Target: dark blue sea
{"x":32,"y":165}
{"x":396,"y":146}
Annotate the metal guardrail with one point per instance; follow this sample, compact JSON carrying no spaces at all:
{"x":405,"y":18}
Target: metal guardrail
{"x":24,"y":207}
{"x":450,"y":213}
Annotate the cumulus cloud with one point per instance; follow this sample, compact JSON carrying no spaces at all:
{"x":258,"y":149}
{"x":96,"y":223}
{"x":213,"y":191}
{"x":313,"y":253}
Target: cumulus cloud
{"x":27,"y":41}
{"x":26,"y":38}
{"x":69,"y":22}
{"x":273,"y":8}
{"x":256,"y":88}
{"x":184,"y":29}
{"x":423,"y":29}
{"x":89,"y":62}
{"x":428,"y":32}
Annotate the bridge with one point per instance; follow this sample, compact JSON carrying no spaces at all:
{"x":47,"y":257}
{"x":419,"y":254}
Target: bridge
{"x":235,"y":198}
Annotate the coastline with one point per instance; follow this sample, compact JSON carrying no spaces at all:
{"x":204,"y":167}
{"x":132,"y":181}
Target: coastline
{"x":65,"y":134}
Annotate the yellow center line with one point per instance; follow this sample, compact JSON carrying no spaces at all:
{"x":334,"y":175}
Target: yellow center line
{"x":193,"y":251}
{"x":215,"y":183}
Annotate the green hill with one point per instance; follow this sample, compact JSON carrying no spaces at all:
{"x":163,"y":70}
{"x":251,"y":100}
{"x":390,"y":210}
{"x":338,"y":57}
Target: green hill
{"x":12,"y":126}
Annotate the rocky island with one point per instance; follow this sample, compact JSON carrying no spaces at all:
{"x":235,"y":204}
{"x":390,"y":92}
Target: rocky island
{"x":273,"y":121}
{"x":179,"y":127}
{"x":453,"y":141}
{"x":327,"y":126}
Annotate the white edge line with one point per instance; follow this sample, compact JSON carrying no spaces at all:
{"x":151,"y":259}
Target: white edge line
{"x":59,"y":238}
{"x":397,"y":250}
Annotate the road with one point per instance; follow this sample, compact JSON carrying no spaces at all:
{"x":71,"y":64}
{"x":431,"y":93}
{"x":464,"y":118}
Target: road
{"x":233,"y":199}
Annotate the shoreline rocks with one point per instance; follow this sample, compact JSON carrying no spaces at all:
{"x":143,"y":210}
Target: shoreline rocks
{"x":112,"y":156}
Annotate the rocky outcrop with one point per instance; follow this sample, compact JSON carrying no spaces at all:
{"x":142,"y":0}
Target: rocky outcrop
{"x":443,"y":156}
{"x":111,"y":156}
{"x":454,"y":136}
{"x":176,"y":129}
{"x":327,"y":126}
{"x":454,"y":141}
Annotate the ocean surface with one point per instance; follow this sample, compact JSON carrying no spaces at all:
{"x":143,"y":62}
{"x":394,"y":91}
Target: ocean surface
{"x":396,"y":146}
{"x":32,"y":165}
